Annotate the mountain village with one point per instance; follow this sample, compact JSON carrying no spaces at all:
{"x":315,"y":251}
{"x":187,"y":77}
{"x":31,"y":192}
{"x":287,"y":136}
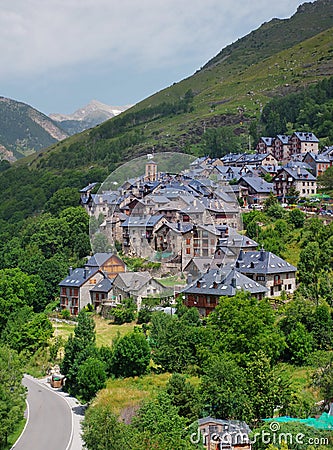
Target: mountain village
{"x":190,"y":223}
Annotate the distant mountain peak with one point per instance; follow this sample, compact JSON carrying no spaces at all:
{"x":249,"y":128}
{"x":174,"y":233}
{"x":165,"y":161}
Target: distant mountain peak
{"x":93,"y":107}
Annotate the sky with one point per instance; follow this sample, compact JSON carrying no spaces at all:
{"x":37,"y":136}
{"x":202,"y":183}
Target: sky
{"x":58,"y":55}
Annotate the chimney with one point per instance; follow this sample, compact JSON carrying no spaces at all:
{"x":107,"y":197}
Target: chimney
{"x":218,"y":278}
{"x":262,"y":254}
{"x":233,"y":282}
{"x":70,"y":270}
{"x":241,"y":255}
{"x":85,"y":272}
{"x":189,"y":278}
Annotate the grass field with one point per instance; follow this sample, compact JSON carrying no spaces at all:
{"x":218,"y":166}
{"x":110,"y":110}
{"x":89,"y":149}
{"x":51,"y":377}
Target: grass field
{"x":125,"y":395}
{"x":105,"y":330}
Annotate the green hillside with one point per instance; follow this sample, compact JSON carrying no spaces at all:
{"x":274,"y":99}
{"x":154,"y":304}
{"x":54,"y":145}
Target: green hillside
{"x":282,"y":56}
{"x":229,"y":93}
{"x":24,"y":130}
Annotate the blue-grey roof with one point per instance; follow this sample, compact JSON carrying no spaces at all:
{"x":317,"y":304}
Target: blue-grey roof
{"x":267,"y":140}
{"x":230,"y":172}
{"x":107,"y":197}
{"x":180,"y":227}
{"x":199,"y":160}
{"x":147,"y":221}
{"x":258,"y":184}
{"x":234,"y":432}
{"x":296,"y":164}
{"x":224,"y":282}
{"x":306,"y":136}
{"x":78,"y":277}
{"x":88,"y":188}
{"x":200,"y":187}
{"x":271,"y":169}
{"x":298,"y":173}
{"x":98,"y":259}
{"x":231,"y":157}
{"x":104,"y":285}
{"x":284,"y":138}
{"x":328,"y":151}
{"x":319,"y":158}
{"x":253,"y":158}
{"x":262,"y":262}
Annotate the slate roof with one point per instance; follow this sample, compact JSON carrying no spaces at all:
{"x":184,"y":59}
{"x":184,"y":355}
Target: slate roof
{"x":194,"y":208}
{"x":306,"y":136}
{"x":231,"y":157}
{"x":201,"y":263}
{"x":224,"y":282}
{"x":225,"y":204}
{"x":230,"y":172}
{"x":104,"y":285}
{"x":88,"y":188}
{"x":253,"y":158}
{"x":157,"y":198}
{"x":284,"y":138}
{"x":131,"y":281}
{"x":267,"y":140}
{"x":181,"y":227}
{"x":200,"y":187}
{"x":319,"y":158}
{"x":98,"y":259}
{"x":262,"y":262}
{"x":296,"y":164}
{"x":148,"y":221}
{"x":199,"y":160}
{"x":270,"y":169}
{"x":234,"y":432}
{"x":258,"y":184}
{"x":107,"y":197}
{"x":235,"y":239}
{"x":298,"y":173}
{"x":328,"y":151}
{"x":78,"y":277}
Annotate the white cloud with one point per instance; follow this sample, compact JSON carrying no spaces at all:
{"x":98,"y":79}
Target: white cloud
{"x":37,"y":36}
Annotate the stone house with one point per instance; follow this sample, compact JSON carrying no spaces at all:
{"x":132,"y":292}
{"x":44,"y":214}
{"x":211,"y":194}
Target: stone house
{"x":264,"y":145}
{"x":138,"y":234}
{"x":303,"y":142}
{"x":281,"y":148}
{"x":294,"y":177}
{"x":318,"y":162}
{"x":75,"y":288}
{"x":269,"y":270}
{"x":138,"y":286}
{"x":258,"y":189}
{"x":218,"y":434}
{"x":204,"y":293}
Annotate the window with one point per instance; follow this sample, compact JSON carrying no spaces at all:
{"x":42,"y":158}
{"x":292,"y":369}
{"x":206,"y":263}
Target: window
{"x":188,"y":250}
{"x":188,"y":241}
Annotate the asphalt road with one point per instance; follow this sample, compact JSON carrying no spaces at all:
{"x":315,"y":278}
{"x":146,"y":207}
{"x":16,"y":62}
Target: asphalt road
{"x":49,"y":425}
